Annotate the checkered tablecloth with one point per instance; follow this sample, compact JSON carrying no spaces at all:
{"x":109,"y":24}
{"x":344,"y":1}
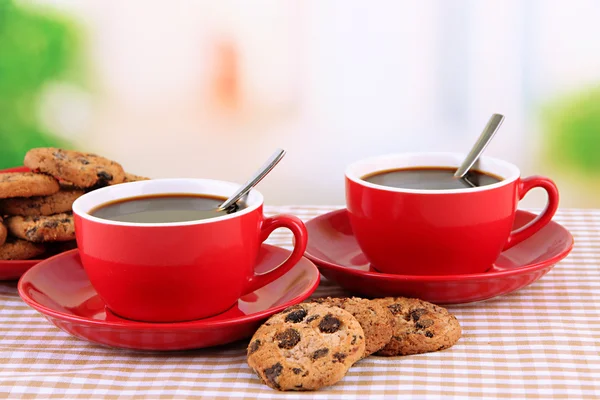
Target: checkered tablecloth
{"x":540,"y":342}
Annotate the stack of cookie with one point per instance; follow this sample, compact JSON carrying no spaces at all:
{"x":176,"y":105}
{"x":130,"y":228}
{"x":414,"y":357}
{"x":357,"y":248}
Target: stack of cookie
{"x":36,"y":206}
{"x":312,"y":345}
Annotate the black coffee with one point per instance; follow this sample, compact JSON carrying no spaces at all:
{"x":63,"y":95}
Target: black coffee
{"x":155,"y":209}
{"x":430,"y":178}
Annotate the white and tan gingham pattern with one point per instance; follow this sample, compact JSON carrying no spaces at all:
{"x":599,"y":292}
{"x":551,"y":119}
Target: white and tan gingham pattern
{"x":540,"y":342}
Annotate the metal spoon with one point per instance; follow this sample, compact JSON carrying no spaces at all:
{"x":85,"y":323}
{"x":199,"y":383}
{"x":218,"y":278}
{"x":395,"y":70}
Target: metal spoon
{"x":257,"y":177}
{"x":484,"y":139}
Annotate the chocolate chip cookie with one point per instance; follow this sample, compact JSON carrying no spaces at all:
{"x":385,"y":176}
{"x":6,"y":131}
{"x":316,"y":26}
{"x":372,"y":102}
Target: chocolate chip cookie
{"x":17,"y":249}
{"x":376,"y":320}
{"x":26,"y":184}
{"x":306,"y":347}
{"x":51,"y":228}
{"x":3,"y":232}
{"x":134,"y":178}
{"x":56,"y":203}
{"x":82,"y":169}
{"x":421,"y":327}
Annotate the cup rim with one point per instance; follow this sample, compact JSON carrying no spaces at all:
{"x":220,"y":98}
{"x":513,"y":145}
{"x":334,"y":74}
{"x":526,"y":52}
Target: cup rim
{"x":512,"y":171}
{"x":91,"y":200}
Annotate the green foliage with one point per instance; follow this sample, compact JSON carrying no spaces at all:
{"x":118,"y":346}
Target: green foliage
{"x":35,"y":49}
{"x":573,"y":131}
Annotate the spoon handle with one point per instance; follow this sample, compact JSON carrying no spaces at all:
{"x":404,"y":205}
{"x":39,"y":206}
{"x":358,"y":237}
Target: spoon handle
{"x":258,"y":176}
{"x":484,"y":139}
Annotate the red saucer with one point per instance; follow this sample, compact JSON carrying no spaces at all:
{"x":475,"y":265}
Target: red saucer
{"x":332,"y":246}
{"x":13,"y":269}
{"x":59,"y":289}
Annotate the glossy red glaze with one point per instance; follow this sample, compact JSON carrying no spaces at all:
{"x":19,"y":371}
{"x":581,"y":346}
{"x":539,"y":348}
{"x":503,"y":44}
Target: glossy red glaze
{"x":60,"y":290}
{"x":431,"y":232}
{"x":333,"y":247}
{"x":13,"y":269}
{"x":178,"y":271}
{"x":525,"y":185}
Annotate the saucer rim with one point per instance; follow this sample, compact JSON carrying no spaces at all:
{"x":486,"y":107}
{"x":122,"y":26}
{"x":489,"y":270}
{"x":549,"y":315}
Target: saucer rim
{"x":434,"y":278}
{"x":158,"y":326}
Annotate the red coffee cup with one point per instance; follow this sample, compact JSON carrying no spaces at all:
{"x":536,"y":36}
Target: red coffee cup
{"x":182,"y":271}
{"x":439,"y":232}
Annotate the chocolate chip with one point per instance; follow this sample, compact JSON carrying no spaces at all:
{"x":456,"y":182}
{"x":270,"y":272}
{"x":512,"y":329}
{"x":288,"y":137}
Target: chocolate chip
{"x":292,"y":308}
{"x":416,"y":314}
{"x":429,"y":334}
{"x":83,"y":161}
{"x":353,"y":339}
{"x":424,"y":323}
{"x":312,"y":318}
{"x":339,"y":357}
{"x":320,"y":353}
{"x":329,"y":324}
{"x":254,"y":346}
{"x":288,"y":338}
{"x":442,"y":347}
{"x":104,"y":175}
{"x":297,"y":371}
{"x":31,"y":232}
{"x":395,"y":308}
{"x":296,"y":316}
{"x":65,"y":220}
{"x":272,"y":373}
{"x":51,"y":224}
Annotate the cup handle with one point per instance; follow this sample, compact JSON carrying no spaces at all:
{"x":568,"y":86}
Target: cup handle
{"x":525,"y":185}
{"x":298,"y":229}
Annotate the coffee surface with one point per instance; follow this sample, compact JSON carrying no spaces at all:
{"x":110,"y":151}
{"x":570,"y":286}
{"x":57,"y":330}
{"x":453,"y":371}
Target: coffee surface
{"x":163,"y":208}
{"x":430,"y":178}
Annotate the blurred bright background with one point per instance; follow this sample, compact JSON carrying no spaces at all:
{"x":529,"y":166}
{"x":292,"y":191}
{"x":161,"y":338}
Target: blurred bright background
{"x":210,"y":89}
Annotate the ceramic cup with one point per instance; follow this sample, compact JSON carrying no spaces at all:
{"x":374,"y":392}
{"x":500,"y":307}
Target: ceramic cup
{"x":182,"y":271}
{"x":439,"y":232}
